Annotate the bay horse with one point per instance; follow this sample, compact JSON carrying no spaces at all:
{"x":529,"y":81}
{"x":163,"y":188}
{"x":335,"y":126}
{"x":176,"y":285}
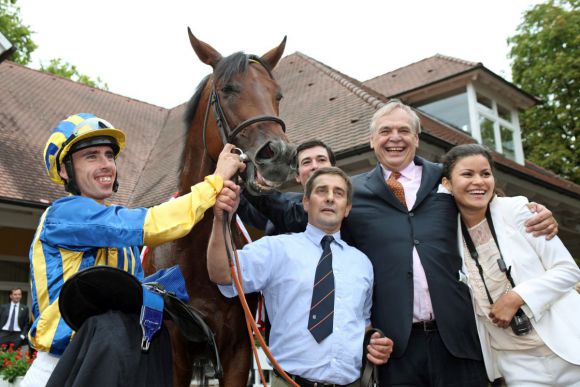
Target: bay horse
{"x":237,"y":103}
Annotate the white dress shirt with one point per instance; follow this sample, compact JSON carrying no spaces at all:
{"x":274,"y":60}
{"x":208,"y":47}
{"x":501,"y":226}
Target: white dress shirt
{"x":283,"y":268}
{"x":15,"y":310}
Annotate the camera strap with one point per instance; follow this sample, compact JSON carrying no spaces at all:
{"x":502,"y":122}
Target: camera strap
{"x":475,"y":255}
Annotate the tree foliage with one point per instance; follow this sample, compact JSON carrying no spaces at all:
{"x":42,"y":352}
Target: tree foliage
{"x":545,"y":52}
{"x":16,"y":32}
{"x":67,"y":70}
{"x":20,"y":36}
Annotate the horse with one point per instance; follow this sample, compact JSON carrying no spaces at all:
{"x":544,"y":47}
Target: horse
{"x":237,"y":103}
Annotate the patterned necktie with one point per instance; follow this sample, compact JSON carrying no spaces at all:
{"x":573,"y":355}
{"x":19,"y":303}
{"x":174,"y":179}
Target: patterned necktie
{"x":321,"y":316}
{"x":12,"y":319}
{"x":396,"y":187}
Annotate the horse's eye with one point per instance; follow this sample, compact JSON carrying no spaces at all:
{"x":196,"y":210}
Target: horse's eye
{"x":229,"y":88}
{"x":279,"y":97}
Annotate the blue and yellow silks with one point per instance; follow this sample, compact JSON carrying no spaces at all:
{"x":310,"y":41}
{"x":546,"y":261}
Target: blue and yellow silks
{"x":77,"y":232}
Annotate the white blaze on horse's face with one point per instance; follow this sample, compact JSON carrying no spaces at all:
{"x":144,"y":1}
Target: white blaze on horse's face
{"x":244,"y":99}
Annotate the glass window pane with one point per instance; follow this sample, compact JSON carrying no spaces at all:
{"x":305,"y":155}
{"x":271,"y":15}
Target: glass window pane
{"x":504,"y":113}
{"x":507,"y":143}
{"x":453,"y":110}
{"x":484,"y":101}
{"x":487,"y":135}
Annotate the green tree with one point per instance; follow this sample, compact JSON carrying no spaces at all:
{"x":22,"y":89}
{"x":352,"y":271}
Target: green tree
{"x":66,"y":70}
{"x":18,"y":34}
{"x":545,"y":54}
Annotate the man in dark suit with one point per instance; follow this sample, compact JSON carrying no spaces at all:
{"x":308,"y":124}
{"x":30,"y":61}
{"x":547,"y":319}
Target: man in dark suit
{"x":14,"y":320}
{"x":408,"y":230}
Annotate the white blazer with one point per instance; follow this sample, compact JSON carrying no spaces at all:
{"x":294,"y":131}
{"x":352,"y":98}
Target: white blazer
{"x":545,"y":275}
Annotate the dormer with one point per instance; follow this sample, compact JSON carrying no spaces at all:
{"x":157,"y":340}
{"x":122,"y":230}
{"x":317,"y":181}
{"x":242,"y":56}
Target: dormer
{"x":466,"y":95}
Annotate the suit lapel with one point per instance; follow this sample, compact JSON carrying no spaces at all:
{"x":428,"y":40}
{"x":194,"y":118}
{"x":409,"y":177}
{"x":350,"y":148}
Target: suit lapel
{"x":376,"y":184}
{"x":430,"y":178}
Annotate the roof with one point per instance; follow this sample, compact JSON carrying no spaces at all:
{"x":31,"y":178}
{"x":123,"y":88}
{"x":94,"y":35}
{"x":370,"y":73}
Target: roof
{"x":423,"y":72}
{"x":425,"y":77}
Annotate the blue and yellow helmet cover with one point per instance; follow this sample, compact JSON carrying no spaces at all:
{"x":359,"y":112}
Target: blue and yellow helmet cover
{"x":70,"y":131}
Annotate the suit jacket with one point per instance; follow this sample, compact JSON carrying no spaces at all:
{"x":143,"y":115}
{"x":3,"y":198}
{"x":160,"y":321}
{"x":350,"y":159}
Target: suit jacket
{"x":386,"y":232}
{"x":544,"y":273}
{"x":23,"y":317}
{"x":283,"y":209}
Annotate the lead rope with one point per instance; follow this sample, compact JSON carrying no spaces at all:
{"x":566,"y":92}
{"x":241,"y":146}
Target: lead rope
{"x":250,"y":323}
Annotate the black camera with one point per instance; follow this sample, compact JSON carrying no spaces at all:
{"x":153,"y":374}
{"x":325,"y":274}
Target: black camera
{"x":521,"y":324}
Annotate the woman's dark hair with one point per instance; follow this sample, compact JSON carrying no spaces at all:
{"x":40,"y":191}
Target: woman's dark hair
{"x":461,"y":151}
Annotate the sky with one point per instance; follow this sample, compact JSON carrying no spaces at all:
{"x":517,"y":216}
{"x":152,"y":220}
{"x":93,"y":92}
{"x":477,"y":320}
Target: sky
{"x":142,"y":51}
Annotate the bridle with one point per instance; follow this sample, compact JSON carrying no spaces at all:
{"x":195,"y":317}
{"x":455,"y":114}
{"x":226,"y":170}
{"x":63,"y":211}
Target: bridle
{"x":227,"y":134}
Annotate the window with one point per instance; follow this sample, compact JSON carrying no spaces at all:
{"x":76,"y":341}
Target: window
{"x":507,"y":142}
{"x":453,"y":110}
{"x":478,"y":112}
{"x":487,"y":135}
{"x":494,"y":124}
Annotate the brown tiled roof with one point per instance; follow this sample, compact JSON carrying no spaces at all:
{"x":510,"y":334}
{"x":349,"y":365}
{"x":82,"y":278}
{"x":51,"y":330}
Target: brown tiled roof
{"x":321,"y":103}
{"x":32,"y":102}
{"x":159,"y":179}
{"x":425,"y":71}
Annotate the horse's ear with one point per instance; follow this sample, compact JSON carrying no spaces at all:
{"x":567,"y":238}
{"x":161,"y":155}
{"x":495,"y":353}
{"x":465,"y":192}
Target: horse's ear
{"x":273,"y":56}
{"x":206,"y":53}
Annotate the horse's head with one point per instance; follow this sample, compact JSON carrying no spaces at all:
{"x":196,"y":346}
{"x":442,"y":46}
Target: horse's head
{"x":242,"y":109}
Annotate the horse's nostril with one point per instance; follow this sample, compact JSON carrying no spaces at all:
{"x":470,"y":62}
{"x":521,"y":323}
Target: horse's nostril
{"x":266,"y":153}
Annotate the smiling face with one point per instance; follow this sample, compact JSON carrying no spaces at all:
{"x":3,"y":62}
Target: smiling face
{"x":95,"y":172}
{"x":327,"y":205}
{"x":394,"y":140}
{"x":472,"y":184}
{"x":309,"y":160}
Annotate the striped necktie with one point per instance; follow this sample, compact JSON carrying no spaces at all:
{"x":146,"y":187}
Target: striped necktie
{"x":321,"y":316}
{"x":397,"y":188}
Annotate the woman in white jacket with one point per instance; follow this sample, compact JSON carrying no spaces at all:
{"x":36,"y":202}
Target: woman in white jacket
{"x":526,"y":307}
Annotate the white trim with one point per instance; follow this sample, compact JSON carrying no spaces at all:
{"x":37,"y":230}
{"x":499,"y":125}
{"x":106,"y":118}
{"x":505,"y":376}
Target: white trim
{"x":477,"y":109}
{"x":473,"y":116}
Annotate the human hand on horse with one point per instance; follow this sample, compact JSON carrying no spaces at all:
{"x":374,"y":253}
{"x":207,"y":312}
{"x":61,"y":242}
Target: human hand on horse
{"x":228,"y":163}
{"x":379,"y":349}
{"x":227,"y":200}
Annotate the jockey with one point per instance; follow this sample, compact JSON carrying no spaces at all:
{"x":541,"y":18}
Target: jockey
{"x":81,"y":230}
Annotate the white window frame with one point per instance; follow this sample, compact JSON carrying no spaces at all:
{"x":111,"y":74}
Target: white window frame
{"x":476,"y":109}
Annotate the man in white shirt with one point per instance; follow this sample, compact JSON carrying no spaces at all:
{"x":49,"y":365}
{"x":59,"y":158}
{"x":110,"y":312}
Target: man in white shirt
{"x":284,"y":268}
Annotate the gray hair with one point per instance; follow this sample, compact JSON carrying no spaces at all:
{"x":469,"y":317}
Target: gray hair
{"x":389,"y":107}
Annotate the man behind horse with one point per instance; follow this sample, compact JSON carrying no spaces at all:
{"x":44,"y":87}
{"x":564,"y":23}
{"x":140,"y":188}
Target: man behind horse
{"x":319,"y":303}
{"x":261,"y":211}
{"x":81,"y":230}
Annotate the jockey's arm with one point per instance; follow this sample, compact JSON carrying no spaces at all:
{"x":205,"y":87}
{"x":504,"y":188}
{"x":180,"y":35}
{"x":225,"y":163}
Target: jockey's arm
{"x":175,"y":219}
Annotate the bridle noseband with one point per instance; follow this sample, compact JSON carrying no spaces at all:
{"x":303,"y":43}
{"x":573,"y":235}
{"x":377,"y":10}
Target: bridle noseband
{"x":227,"y":134}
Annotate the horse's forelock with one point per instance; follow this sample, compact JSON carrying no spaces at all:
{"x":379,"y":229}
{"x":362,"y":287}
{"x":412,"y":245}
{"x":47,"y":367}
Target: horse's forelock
{"x":231,"y":65}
